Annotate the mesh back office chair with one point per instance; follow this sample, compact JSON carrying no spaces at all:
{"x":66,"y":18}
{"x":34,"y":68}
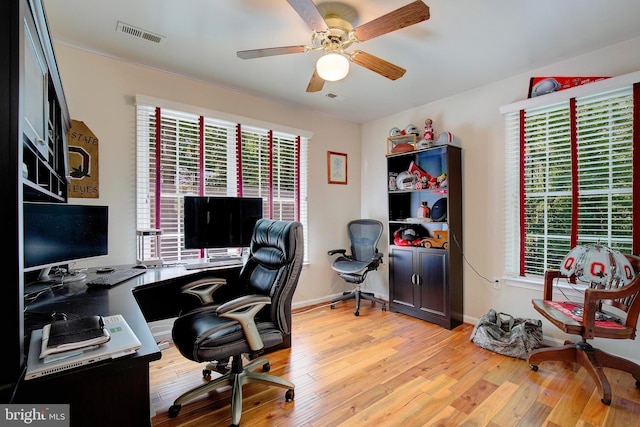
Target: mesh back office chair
{"x":257,"y":319}
{"x":364,"y":235}
{"x":618,"y":324}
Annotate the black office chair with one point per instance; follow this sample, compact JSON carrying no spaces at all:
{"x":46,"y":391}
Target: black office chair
{"x":255,"y":320}
{"x":353,"y":268}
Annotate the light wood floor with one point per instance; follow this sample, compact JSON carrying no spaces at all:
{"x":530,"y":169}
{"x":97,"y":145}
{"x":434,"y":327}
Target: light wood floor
{"x":387,"y":369}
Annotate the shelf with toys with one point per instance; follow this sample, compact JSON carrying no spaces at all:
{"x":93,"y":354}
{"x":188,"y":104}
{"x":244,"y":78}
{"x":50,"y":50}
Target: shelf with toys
{"x":425,"y":231}
{"x":418,"y":185}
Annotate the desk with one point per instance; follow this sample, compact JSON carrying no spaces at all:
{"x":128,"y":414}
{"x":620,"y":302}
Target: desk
{"x":115,"y":392}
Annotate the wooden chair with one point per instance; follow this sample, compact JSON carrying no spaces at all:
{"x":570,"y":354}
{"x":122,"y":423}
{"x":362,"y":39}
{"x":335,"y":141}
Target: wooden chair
{"x":621,"y":325}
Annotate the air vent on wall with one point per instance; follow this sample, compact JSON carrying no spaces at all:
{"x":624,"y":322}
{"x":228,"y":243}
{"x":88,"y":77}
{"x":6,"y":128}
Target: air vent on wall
{"x":140,"y":33}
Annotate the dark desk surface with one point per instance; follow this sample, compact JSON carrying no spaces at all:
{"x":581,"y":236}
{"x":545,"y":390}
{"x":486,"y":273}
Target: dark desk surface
{"x":110,"y":392}
{"x":151,"y":296}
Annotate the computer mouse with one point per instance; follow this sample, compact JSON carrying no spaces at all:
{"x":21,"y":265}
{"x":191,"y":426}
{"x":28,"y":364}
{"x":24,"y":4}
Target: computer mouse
{"x":142,"y":266}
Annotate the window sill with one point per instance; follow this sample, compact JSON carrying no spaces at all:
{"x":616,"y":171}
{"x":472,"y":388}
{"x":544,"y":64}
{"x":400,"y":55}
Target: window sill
{"x":537,"y":283}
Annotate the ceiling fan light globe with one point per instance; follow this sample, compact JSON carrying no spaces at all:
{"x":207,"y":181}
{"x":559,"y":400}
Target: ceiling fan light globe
{"x":332,"y":67}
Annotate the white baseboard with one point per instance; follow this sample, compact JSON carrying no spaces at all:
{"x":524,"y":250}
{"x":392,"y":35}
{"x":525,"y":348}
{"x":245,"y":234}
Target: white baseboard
{"x":307,"y":303}
{"x":326,"y":299}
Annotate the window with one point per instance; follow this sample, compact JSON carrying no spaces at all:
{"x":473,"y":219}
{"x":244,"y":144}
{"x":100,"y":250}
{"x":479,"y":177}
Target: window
{"x":574,"y":161}
{"x":181,"y":153}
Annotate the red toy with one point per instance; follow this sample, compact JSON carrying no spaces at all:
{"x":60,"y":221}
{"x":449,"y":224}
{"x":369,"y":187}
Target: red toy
{"x":424,"y":178}
{"x":406,"y":236}
{"x":428,"y":131}
{"x":419,"y":173}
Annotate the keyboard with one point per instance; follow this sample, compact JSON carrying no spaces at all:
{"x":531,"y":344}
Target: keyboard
{"x":109,"y":280}
{"x":214,"y":264}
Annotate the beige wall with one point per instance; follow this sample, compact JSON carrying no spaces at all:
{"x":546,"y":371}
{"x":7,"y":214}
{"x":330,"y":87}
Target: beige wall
{"x":475,"y":119}
{"x":100,"y":92}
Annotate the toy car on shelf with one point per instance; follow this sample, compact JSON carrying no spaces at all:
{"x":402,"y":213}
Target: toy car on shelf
{"x":440,"y":239}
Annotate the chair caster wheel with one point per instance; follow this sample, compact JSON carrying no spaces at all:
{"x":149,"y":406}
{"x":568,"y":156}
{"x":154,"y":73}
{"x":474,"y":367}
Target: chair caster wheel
{"x":174,"y":410}
{"x":534,"y":368}
{"x":333,"y":306}
{"x":606,"y":401}
{"x":356,"y":313}
{"x":206,"y":373}
{"x":289,"y":395}
{"x":384,"y":308}
{"x":266,"y":367}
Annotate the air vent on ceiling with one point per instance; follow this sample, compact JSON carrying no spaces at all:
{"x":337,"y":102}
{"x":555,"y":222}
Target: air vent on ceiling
{"x":336,"y":97}
{"x":140,"y":33}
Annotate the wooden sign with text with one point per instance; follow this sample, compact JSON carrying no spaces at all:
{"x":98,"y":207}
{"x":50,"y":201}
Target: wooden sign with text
{"x":83,"y":162}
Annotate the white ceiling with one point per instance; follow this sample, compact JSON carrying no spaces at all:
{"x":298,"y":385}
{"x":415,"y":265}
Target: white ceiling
{"x":465,"y":44}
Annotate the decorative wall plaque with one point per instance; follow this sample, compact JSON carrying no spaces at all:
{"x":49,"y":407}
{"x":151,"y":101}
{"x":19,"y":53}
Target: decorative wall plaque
{"x":83,"y":162}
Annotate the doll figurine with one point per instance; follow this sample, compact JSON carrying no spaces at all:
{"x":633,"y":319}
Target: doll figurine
{"x":427,"y":135}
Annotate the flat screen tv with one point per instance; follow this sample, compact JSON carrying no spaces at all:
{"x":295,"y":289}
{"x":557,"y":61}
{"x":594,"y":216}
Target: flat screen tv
{"x":220,"y":222}
{"x":56,"y":234}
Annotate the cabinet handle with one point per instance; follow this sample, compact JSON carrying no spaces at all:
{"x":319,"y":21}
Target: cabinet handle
{"x":418,"y":280}
{"x":413,"y":279}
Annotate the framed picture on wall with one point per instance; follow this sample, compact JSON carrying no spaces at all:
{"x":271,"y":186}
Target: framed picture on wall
{"x":336,"y":167}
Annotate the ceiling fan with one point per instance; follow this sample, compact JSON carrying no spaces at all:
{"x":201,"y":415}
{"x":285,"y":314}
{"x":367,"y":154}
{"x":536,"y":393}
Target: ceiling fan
{"x":333,"y":34}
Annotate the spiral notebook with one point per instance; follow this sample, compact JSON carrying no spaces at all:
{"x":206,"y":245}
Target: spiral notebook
{"x":123,"y":342}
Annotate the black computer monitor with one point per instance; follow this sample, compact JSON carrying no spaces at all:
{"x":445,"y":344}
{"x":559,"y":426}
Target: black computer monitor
{"x":220,"y":222}
{"x":56,"y":234}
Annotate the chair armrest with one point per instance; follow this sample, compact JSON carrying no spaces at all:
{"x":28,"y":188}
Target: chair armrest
{"x":549,"y":277}
{"x":592,"y":298}
{"x":203,"y":289}
{"x":241,"y":303}
{"x":244,"y":310}
{"x":375,"y":261}
{"x":337,"y":251}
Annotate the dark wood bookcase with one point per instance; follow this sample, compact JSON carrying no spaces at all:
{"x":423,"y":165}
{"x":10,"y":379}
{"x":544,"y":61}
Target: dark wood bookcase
{"x":425,"y":280}
{"x":34,"y":121}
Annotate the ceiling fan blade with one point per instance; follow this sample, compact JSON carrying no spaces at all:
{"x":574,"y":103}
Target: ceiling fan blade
{"x":316,"y":83}
{"x":270,"y":51}
{"x":405,"y":16}
{"x":309,"y":13}
{"x":377,"y":65}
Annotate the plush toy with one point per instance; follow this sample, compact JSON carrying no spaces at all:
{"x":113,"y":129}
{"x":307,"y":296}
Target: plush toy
{"x":442,"y":180}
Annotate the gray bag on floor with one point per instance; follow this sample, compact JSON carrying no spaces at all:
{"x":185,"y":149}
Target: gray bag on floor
{"x":507,"y":335}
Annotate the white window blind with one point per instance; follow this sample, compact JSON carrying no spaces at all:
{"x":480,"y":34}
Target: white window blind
{"x":553,"y":199}
{"x":199,"y":155}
